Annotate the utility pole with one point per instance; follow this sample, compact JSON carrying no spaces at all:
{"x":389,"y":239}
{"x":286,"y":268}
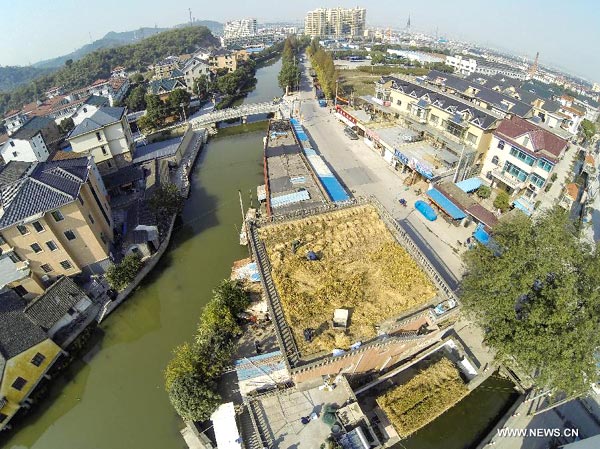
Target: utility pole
{"x":458,"y":165}
{"x":336,"y":93}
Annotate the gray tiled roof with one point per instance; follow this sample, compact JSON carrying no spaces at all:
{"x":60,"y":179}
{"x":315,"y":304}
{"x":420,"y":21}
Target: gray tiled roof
{"x":17,"y":332}
{"x":165,"y":85}
{"x":50,"y":185}
{"x":101,"y":118}
{"x":479,"y":117}
{"x":13,"y":171}
{"x":97,"y":100}
{"x":49,"y":308}
{"x":31,"y":127}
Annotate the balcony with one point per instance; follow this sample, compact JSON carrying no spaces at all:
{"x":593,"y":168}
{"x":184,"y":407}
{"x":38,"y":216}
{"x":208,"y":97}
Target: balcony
{"x":505,"y":177}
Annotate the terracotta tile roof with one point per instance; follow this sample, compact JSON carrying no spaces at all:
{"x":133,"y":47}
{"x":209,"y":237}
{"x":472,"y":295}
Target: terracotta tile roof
{"x":572,"y":190}
{"x":589,"y":159}
{"x":483,"y":215}
{"x":541,"y":139}
{"x":573,"y":110}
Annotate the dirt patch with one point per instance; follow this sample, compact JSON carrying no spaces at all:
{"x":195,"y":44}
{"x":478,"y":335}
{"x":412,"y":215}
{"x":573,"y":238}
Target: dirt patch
{"x":360,"y":267}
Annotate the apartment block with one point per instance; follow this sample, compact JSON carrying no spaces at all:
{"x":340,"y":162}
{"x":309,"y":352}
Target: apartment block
{"x":55,"y":220}
{"x":335,"y":22}
{"x":33,"y":141}
{"x":240,"y":28}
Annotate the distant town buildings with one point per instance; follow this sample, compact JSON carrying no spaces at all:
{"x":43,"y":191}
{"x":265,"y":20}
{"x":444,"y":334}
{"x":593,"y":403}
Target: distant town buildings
{"x":335,"y":22}
{"x":470,"y":65}
{"x":240,"y":28}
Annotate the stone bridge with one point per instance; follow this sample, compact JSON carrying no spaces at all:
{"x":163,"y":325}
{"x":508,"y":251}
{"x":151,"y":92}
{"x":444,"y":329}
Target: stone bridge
{"x":242,"y":111}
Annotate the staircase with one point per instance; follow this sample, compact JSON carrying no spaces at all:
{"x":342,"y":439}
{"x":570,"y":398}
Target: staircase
{"x":260,"y":422}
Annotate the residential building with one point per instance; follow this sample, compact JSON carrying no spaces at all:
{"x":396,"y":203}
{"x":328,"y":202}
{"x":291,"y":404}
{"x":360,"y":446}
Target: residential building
{"x":336,"y":22}
{"x":54,"y":92}
{"x":89,"y":108}
{"x":60,"y":310}
{"x":193,"y":68}
{"x":114,"y":88}
{"x":26,"y":355}
{"x":33,"y":141}
{"x":55,"y":220}
{"x":118,"y":72}
{"x":470,"y":65}
{"x":596,"y":87}
{"x":14,"y":119}
{"x":163,"y":87}
{"x":461,"y":64}
{"x":521,"y":157}
{"x":225,"y":59}
{"x":239,"y":28}
{"x":106,"y":136}
{"x":164,"y":68}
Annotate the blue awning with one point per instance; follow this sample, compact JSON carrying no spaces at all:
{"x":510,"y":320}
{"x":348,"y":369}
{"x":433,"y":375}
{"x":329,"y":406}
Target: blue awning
{"x":469,"y":185}
{"x":524,"y":206}
{"x":445,"y":204}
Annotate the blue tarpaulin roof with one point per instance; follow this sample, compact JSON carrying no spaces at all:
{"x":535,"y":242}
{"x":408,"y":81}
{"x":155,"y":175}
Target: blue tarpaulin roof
{"x":445,"y":204}
{"x":469,"y":185}
{"x":481,"y":236}
{"x":523,"y":205}
{"x":334,"y":189}
{"x":426,"y":210}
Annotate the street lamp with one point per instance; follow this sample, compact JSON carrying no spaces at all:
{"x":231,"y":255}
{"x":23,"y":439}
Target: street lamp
{"x":336,"y":93}
{"x":183,"y":109}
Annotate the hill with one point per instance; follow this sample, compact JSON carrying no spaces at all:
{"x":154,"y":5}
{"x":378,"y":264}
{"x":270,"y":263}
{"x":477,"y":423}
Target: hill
{"x":99,"y":63}
{"x":14,"y":76}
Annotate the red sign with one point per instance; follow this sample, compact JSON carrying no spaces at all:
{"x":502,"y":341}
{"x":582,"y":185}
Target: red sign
{"x":345,"y":114}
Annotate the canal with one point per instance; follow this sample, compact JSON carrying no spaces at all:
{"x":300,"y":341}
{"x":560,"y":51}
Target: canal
{"x":114,"y":398}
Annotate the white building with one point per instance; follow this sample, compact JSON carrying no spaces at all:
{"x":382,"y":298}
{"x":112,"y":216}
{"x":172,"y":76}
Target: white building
{"x":31,"y":142}
{"x":521,"y":157}
{"x":89,"y":108}
{"x":193,"y":68}
{"x":240,"y":28}
{"x":335,"y":22}
{"x":105,"y":135}
{"x":462,"y":65}
{"x":13,"y":120}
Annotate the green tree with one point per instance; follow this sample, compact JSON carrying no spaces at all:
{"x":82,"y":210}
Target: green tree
{"x":156,"y":111}
{"x":167,"y":200}
{"x":193,"y":398}
{"x":202,"y":86}
{"x":69,"y":63}
{"x":66,"y":125}
{"x":588,"y":128}
{"x":502,"y":200}
{"x":227,"y":84}
{"x":177,"y":99}
{"x":484,"y":191}
{"x":145,"y":124}
{"x":377,"y":57}
{"x":537,"y":299}
{"x":184,"y":362}
{"x":121,"y":275}
{"x":137,"y":78}
{"x":136,"y":100}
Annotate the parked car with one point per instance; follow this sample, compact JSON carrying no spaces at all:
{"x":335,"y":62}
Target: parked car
{"x":351,"y":134}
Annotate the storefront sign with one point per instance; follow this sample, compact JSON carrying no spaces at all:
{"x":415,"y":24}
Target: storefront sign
{"x":373,"y":136}
{"x":346,"y":115}
{"x":421,"y":167}
{"x":402,"y":158}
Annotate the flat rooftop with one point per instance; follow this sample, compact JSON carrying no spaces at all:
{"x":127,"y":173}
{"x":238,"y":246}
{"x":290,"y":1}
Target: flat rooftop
{"x":288,"y":172}
{"x":360,"y":267}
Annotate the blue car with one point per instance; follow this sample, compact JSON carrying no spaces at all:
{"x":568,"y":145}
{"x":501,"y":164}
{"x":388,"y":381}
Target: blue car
{"x":426,"y":210}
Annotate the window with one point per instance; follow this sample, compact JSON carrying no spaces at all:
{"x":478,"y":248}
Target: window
{"x":46,"y":267}
{"x":91,"y":218}
{"x":3,"y":417}
{"x":501,"y":144}
{"x":489,"y":176}
{"x":526,"y":141}
{"x":23,"y":229}
{"x":38,"y":359}
{"x":471,"y":138}
{"x":98,"y":136}
{"x":14,"y":257}
{"x":103,"y":150}
{"x":103,"y":238}
{"x":434,"y":119}
{"x":36,"y":248}
{"x":57,"y":215}
{"x":2,"y":241}
{"x":20,"y":290}
{"x":84,"y":110}
{"x":15,"y":154}
{"x":66,"y":265}
{"x":70,"y":235}
{"x":399,"y":102}
{"x":19,"y":383}
{"x":515,"y":171}
{"x":545,"y":165}
{"x":38,"y":226}
{"x":51,"y":245}
{"x":521,"y":155}
{"x":109,"y":164}
{"x":81,"y":200}
{"x":495,"y":160}
{"x":537,"y":180}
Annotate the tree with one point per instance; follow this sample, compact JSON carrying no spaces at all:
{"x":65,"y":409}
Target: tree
{"x":136,"y":100}
{"x":145,"y":124}
{"x":588,"y":128}
{"x":177,"y":99}
{"x":502,"y":200}
{"x":156,"y":111}
{"x":66,"y":125}
{"x":193,"y":398}
{"x":227,"y":84}
{"x":121,"y":275}
{"x":484,"y":192}
{"x":537,"y":299}
{"x":167,"y":200}
{"x":137,"y":78}
{"x":183,"y":363}
{"x":202,"y":86}
{"x":68,"y":63}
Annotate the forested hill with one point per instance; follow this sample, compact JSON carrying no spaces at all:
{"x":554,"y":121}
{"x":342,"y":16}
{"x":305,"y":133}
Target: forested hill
{"x":13,"y":76}
{"x":98,"y":64}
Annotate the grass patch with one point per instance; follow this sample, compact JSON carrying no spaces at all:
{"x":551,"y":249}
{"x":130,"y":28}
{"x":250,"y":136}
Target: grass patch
{"x":242,"y":129}
{"x":361,"y":268}
{"x":423,"y":398}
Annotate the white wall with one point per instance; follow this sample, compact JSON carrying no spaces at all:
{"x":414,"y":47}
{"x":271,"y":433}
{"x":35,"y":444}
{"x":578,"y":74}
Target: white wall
{"x":25,"y":150}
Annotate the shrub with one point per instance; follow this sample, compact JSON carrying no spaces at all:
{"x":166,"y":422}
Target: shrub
{"x":484,"y":192}
{"x":122,"y":274}
{"x":502,"y":201}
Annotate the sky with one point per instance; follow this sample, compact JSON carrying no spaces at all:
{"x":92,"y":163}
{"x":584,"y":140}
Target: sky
{"x":566,"y":33}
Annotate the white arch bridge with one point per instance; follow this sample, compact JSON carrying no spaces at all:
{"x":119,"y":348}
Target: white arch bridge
{"x":241,"y":111}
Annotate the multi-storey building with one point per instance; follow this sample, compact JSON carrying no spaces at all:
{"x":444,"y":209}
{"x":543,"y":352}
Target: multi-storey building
{"x":335,"y":22}
{"x":55,"y":220}
{"x":33,"y":141}
{"x":240,"y":28}
{"x":106,"y":136}
{"x":225,"y":59}
{"x":521,"y":157}
{"x":193,"y":68}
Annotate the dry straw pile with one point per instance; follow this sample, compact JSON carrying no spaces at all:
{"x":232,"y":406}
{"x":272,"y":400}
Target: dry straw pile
{"x":361,"y":268}
{"x":423,"y":398}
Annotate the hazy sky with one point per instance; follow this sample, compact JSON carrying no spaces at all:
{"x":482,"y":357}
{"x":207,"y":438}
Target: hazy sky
{"x":566,"y":33}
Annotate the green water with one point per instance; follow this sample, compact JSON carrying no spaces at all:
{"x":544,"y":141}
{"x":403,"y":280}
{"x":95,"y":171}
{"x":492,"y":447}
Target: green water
{"x":467,"y":422}
{"x":115,"y":398}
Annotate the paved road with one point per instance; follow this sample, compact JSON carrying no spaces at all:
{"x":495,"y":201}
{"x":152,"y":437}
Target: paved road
{"x":365,"y":173}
